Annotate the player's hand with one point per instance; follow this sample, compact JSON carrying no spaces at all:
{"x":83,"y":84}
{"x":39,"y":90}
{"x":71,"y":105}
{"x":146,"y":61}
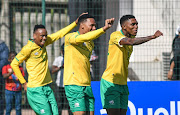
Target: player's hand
{"x":157,"y":34}
{"x":108,"y":23}
{"x":79,"y":16}
{"x":25,"y":86}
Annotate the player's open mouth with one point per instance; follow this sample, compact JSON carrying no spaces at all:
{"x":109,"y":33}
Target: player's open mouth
{"x":135,"y":31}
{"x":43,"y":42}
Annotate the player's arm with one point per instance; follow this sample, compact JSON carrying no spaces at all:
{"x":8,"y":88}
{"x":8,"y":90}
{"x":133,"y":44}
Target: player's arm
{"x":108,"y":23}
{"x":24,"y":84}
{"x":87,"y":36}
{"x":61,"y":33}
{"x":15,"y":66}
{"x":20,"y":57}
{"x":139,"y":40}
{"x":92,"y":34}
{"x":22,"y":71}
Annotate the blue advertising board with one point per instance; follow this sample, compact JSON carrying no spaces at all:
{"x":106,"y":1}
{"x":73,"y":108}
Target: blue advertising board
{"x":147,"y":98}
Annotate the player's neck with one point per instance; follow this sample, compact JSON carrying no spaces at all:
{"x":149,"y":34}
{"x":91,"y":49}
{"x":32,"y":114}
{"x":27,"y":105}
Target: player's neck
{"x":80,"y":31}
{"x":126,"y":33}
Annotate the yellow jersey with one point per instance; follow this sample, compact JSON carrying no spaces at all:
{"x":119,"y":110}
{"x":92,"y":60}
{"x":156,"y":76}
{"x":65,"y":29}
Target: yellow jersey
{"x":37,"y":60}
{"x":78,"y":49}
{"x":118,"y":60}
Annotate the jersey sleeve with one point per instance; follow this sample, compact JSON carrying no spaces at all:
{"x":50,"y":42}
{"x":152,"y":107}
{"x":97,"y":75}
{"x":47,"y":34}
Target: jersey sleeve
{"x":116,"y":38}
{"x":86,"y":37}
{"x":59,"y":34}
{"x":22,"y":71}
{"x":20,"y":57}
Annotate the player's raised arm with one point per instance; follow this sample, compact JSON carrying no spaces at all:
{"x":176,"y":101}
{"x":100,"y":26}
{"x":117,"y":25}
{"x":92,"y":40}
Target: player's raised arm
{"x":76,"y":21}
{"x":62,"y":32}
{"x":108,"y":23}
{"x":129,"y":27}
{"x":90,"y":33}
{"x":140,"y":40}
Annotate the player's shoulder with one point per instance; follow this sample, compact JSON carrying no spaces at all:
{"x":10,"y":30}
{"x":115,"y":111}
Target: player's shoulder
{"x":116,"y":33}
{"x":71,"y":34}
{"x":29,"y":46}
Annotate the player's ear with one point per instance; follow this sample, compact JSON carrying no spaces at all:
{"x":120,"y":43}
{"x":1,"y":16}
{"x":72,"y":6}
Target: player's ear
{"x":124,"y":26}
{"x":82,"y":25}
{"x":34,"y":35}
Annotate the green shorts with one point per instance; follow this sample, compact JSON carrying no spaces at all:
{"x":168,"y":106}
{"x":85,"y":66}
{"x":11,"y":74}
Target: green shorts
{"x":113,"y":95}
{"x":80,"y":98}
{"x":42,"y":100}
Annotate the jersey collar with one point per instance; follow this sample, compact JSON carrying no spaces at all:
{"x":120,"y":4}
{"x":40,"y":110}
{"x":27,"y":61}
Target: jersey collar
{"x":78,"y":32}
{"x":31,"y":40}
{"x":122,"y":32}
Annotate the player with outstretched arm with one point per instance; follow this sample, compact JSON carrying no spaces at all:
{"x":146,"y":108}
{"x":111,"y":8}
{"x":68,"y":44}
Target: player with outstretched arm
{"x":114,"y":89}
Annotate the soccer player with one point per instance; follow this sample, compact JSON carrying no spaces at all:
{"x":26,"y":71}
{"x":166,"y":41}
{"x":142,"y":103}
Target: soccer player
{"x":78,"y":49}
{"x":114,"y":89}
{"x":40,"y":95}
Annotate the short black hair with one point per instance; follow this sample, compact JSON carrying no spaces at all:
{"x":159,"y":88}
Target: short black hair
{"x":125,"y":18}
{"x":84,"y":17}
{"x":38,"y":26}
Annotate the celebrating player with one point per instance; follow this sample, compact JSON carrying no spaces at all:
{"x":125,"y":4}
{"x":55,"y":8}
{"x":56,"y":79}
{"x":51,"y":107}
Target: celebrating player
{"x":78,"y":49}
{"x":40,"y":95}
{"x":114,"y":89}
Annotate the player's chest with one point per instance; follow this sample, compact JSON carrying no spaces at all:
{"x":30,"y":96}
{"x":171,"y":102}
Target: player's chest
{"x":39,"y":53}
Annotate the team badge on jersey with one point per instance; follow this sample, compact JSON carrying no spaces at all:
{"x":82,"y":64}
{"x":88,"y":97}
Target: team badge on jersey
{"x":36,"y":53}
